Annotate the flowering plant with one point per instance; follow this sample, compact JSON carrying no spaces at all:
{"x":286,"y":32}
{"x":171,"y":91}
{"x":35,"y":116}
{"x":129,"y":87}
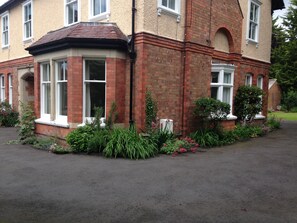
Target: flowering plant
{"x":179,"y":146}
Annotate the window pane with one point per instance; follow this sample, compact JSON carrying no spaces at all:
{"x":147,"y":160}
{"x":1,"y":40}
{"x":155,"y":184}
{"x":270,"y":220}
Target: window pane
{"x":70,"y":13}
{"x":96,"y":7}
{"x":95,"y":70}
{"x":215,"y":77}
{"x":227,"y":78}
{"x":164,"y":3}
{"x":260,"y":82}
{"x":62,"y":98}
{"x":226,"y":95}
{"x":45,"y":72}
{"x":214,"y":92}
{"x":47,"y":98}
{"x":103,"y":6}
{"x":172,"y":4}
{"x":95,"y":97}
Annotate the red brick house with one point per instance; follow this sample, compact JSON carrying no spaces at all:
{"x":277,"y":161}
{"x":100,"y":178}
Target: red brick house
{"x":184,"y":50}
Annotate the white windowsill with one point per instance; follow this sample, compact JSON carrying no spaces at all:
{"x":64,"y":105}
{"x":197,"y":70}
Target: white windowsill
{"x":259,"y":116}
{"x":161,"y":9}
{"x":101,"y":16}
{"x":231,"y":117}
{"x":53,"y":123}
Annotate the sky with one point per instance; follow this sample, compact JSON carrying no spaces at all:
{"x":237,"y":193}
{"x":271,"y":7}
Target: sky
{"x":3,"y":1}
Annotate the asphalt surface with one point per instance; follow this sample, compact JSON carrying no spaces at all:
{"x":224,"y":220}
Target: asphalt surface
{"x":252,"y":181}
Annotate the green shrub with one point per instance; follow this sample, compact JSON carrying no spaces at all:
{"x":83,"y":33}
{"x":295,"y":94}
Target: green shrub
{"x":246,"y":132}
{"x":210,"y":112}
{"x":127,"y":143}
{"x":8,"y":116}
{"x":273,"y":122}
{"x":290,"y":100}
{"x":27,"y":125}
{"x":177,"y":146}
{"x":151,"y":110}
{"x":247,"y":103}
{"x":206,"y":138}
{"x":159,"y":137}
{"x":99,"y":141}
{"x":43,"y":143}
{"x":79,"y":138}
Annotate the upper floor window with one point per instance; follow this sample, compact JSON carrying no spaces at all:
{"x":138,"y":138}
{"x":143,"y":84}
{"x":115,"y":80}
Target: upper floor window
{"x":248,"y":80}
{"x":2,"y":88}
{"x":71,"y":13}
{"x":5,"y":29}
{"x":99,"y":8}
{"x":254,"y":18}
{"x":27,"y":20}
{"x":170,"y":5}
{"x":222,"y":78}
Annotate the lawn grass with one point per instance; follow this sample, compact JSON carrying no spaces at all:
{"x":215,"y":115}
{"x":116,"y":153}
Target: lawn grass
{"x":289,"y":116}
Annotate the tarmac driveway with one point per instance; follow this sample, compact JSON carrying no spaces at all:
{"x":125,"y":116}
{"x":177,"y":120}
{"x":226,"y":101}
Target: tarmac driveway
{"x":253,"y":181}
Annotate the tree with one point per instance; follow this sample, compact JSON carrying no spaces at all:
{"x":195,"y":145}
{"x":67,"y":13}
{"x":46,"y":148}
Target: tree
{"x":284,"y":48}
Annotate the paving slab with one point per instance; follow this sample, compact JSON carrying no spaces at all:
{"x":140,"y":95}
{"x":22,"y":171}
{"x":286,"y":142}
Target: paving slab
{"x":252,"y":181}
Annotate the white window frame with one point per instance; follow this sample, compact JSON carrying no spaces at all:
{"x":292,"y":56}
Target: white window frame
{"x":222,"y":69}
{"x":66,"y":4}
{"x":2,"y":88}
{"x":100,"y":16}
{"x":30,"y":21}
{"x":248,"y":80}
{"x":60,"y":118}
{"x":260,"y":80}
{"x":89,"y":119}
{"x":44,"y":116}
{"x":5,"y":29}
{"x":10,"y":89}
{"x":258,"y":4}
{"x":166,"y":8}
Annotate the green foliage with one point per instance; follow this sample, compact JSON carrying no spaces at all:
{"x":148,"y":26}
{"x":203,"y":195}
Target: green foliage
{"x":113,"y":116}
{"x":284,"y":48}
{"x":57,"y":149}
{"x":247,"y":103}
{"x":27,"y":125}
{"x":210,"y":111}
{"x":151,"y":110}
{"x":96,"y":121}
{"x":8,"y":116}
{"x":42,"y":143}
{"x":159,"y":137}
{"x":79,"y":138}
{"x":177,"y":146}
{"x":290,"y":100}
{"x":99,"y":141}
{"x":211,"y":138}
{"x":273,"y":122}
{"x":127,"y":143}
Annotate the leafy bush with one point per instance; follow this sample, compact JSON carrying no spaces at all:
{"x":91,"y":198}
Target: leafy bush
{"x":210,"y":111}
{"x":112,"y":116}
{"x":27,"y":125}
{"x":79,"y":138}
{"x":247,"y":103}
{"x":8,"y":116}
{"x":99,"y":141}
{"x":273,"y":123}
{"x":177,"y":146}
{"x":151,"y":110}
{"x":43,"y":143}
{"x":211,"y":138}
{"x":290,"y":100}
{"x":159,"y":137}
{"x":127,"y":143}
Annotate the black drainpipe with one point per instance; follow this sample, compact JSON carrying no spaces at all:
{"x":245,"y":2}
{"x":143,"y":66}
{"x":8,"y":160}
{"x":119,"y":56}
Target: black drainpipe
{"x":132,"y":55}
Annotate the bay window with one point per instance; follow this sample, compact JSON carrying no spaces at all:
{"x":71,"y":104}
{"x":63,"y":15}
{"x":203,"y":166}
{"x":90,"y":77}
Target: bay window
{"x":45,"y":91}
{"x":94,"y":87}
{"x":61,"y":90}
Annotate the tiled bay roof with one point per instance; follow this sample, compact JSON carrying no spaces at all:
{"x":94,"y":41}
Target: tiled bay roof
{"x":83,"y":35}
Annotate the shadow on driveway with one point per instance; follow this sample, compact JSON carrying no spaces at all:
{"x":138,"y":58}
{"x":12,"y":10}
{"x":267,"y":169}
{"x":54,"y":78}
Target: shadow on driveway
{"x":252,"y":181}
